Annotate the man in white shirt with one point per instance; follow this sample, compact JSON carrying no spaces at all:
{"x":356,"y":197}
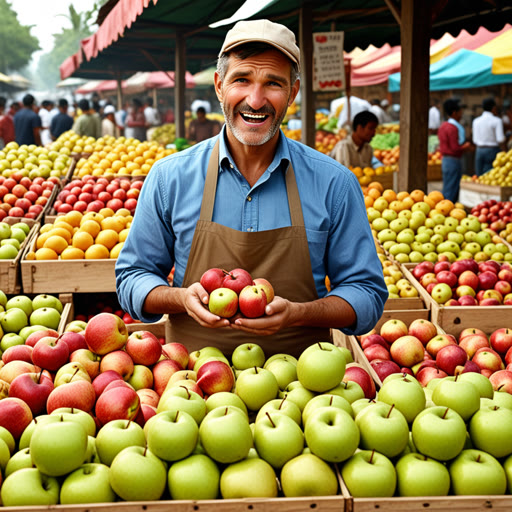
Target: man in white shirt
{"x":381,"y":114}
{"x":151,"y":114}
{"x":108,"y":125}
{"x":434,"y":117}
{"x":339,"y":109}
{"x":488,"y":137}
{"x":46,"y":118}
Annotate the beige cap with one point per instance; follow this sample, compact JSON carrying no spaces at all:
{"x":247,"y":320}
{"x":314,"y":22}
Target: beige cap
{"x":264,"y":31}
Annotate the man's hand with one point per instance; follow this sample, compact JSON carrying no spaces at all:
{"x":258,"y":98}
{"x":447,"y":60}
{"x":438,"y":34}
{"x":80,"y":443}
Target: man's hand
{"x":278,"y":315}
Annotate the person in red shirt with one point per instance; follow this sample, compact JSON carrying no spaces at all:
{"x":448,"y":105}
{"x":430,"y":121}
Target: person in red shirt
{"x":452,"y":143}
{"x":6,"y":125}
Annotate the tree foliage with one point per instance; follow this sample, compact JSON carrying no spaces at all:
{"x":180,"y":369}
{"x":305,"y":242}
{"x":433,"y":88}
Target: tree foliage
{"x":66,"y":43}
{"x":16,"y":43}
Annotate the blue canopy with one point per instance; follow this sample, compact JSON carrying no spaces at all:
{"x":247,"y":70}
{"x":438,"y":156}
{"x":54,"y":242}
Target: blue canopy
{"x":464,"y":69}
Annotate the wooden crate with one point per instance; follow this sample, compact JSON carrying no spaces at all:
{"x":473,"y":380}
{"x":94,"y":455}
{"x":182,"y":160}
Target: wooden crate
{"x":386,"y":179}
{"x":434,"y":172}
{"x":472,"y":193}
{"x":453,"y":319}
{"x":10,"y":270}
{"x":436,"y":503}
{"x":61,"y":276}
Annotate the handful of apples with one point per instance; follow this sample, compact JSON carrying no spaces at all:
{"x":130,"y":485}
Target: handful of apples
{"x":235,"y":291}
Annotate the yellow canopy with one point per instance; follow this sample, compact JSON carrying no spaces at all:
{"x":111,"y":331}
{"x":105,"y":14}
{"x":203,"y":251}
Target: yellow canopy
{"x":500,"y":49}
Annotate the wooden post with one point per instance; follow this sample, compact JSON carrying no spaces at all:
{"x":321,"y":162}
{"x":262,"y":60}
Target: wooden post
{"x":119,"y":91}
{"x":414,"y":94}
{"x":179,"y":86}
{"x":348,"y":92}
{"x":306,"y":64}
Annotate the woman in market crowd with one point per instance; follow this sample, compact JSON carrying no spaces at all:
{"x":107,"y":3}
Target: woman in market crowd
{"x":452,"y":144}
{"x":488,"y":136}
{"x":62,"y":122}
{"x":251,"y":198}
{"x":87,"y":123}
{"x":6,"y":125}
{"x":135,"y":124}
{"x":355,"y":150}
{"x":27,"y":123}
{"x":108,"y":124}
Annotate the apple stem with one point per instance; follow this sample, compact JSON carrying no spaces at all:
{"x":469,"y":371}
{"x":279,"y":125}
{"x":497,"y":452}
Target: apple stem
{"x":456,"y":377}
{"x":62,"y":417}
{"x":39,"y":377}
{"x":270,"y":419}
{"x":76,"y":371}
{"x":445,"y":413}
{"x":128,"y":423}
{"x":390,"y":409}
{"x":228,"y":274}
{"x":500,"y":387}
{"x":186,"y":389}
{"x":176,"y":417}
{"x":496,"y":407}
{"x":145,"y":450}
{"x":226,"y":412}
{"x":371,"y":457}
{"x":478,"y":458}
{"x":282,"y":402}
{"x":344,"y":383}
{"x":256,"y":369}
{"x":331,"y":400}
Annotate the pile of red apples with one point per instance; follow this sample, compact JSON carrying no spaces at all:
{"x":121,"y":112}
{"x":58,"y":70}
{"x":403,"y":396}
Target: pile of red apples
{"x":92,"y":193}
{"x":236,"y":292}
{"x":466,"y":282}
{"x":497,"y":214}
{"x":422,"y":351}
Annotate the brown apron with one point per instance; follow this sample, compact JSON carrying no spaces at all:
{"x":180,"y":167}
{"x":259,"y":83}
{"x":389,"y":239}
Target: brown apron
{"x":279,"y":255}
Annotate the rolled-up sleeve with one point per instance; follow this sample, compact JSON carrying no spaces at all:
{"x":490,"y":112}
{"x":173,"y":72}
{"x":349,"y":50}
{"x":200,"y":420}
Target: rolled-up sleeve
{"x":353,"y":267}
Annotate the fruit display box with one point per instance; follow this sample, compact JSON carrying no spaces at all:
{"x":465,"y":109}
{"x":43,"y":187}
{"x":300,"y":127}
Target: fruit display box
{"x":472,"y":194}
{"x":434,"y":172}
{"x":61,"y":276}
{"x":10,"y":270}
{"x":453,"y":319}
{"x":386,"y":179}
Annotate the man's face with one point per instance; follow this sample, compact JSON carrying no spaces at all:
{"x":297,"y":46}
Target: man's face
{"x":367,"y":132}
{"x":255,"y":95}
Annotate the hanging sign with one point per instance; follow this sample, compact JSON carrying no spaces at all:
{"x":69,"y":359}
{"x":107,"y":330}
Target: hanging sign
{"x":328,"y":66}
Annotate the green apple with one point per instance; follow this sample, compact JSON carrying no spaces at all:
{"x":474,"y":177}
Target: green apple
{"x":225,"y":434}
{"x":281,"y":405}
{"x":461,"y":396}
{"x":5,"y":455}
{"x":406,"y":394}
{"x":474,"y":472}
{"x":369,"y":474}
{"x":326,"y":400}
{"x":20,"y":301}
{"x":481,"y":382}
{"x":256,"y":386}
{"x":18,"y":234}
{"x":350,"y":391}
{"x":116,"y":435}
{"x":223,"y":398}
{"x":82,"y":417}
{"x":439,"y":432}
{"x":172,"y":435}
{"x":136,"y":474}
{"x":91,"y":454}
{"x":418,"y":475}
{"x":490,"y":430}
{"x":507,"y":466}
{"x":70,"y":372}
{"x":10,"y":340}
{"x":249,"y":478}
{"x":23,"y":226}
{"x":321,"y":367}
{"x":48,"y":317}
{"x":284,"y":371}
{"x":29,"y":487}
{"x":6,"y":436}
{"x":194,"y":478}
{"x":277,"y":438}
{"x":13,"y":320}
{"x":29,"y":329}
{"x":21,"y":459}
{"x":362,"y":403}
{"x":331,"y":433}
{"x":247,"y":355}
{"x":8,"y":251}
{"x":297,"y":393}
{"x":286,"y":357}
{"x":180,"y":398}
{"x":58,"y":448}
{"x":90,"y":483}
{"x":503,"y":399}
{"x":5,"y":230}
{"x":383,"y":428}
{"x":47,"y":301}
{"x":24,"y":441}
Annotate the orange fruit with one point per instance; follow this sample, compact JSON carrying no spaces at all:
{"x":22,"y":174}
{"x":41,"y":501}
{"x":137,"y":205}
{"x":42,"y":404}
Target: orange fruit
{"x":436,"y":196}
{"x":368,"y":201}
{"x":106,"y":212}
{"x":458,"y":213}
{"x":31,"y":255}
{"x":123,"y":212}
{"x":389,"y":195}
{"x":429,"y":201}
{"x":116,"y":223}
{"x":73,"y":218}
{"x":378,"y":185}
{"x":45,"y":228}
{"x":445,"y":206}
{"x":82,"y":240}
{"x":402,"y":195}
{"x":417,"y":195}
{"x":114,"y":252}
{"x":56,"y":243}
{"x":91,"y":226}
{"x":373,"y":192}
{"x":72,"y":253}
{"x":408,"y":202}
{"x":123,"y":234}
{"x":92,"y":216}
{"x":59,"y":231}
{"x":97,"y":252}
{"x":46,"y":254}
{"x":108,"y":238}
{"x":61,"y":223}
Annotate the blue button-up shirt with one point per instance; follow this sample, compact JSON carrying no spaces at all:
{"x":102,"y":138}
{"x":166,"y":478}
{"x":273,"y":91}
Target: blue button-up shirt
{"x":339,"y":236}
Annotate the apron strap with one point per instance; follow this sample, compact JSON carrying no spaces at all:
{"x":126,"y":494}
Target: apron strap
{"x":210,"y":189}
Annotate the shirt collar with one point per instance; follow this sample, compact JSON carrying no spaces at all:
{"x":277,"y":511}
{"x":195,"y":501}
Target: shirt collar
{"x":281,"y":158}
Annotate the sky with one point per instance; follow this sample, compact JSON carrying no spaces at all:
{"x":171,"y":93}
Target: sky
{"x":45,"y":17}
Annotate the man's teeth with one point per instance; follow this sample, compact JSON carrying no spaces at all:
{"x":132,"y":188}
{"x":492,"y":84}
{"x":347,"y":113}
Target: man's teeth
{"x":256,"y":117}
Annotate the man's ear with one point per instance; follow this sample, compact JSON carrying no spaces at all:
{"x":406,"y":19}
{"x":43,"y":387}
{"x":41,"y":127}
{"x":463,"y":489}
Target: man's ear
{"x":294,"y":92}
{"x":218,"y":86}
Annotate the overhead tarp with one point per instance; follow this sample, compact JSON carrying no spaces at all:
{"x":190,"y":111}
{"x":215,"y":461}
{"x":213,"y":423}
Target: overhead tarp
{"x":462,"y":70}
{"x":205,"y":77}
{"x":144,"y":80}
{"x":377,"y":72}
{"x":468,"y":69}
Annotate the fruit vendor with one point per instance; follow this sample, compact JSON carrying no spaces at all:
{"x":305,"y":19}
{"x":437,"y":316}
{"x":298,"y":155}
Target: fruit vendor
{"x":355,"y":150}
{"x":251,"y":198}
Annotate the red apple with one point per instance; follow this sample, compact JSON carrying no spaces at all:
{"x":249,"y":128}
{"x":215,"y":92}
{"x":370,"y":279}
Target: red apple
{"x":50,"y":353}
{"x":472,"y":343}
{"x":105,"y":333}
{"x":356,"y":373}
{"x":407,"y":351}
{"x":9,"y":371}
{"x":265,"y":285}
{"x":449,"y":357}
{"x":162,"y":372}
{"x":488,"y":359}
{"x":252,"y":301}
{"x":215,"y":376}
{"x":34,"y":389}
{"x":376,"y":352}
{"x":143,"y":347}
{"x":383,"y":368}
{"x":177,"y":352}
{"x":120,"y":403}
{"x":393,"y":329}
{"x":103,"y":380}
{"x":18,"y":353}
{"x":15,"y":415}
{"x":502,"y":381}
{"x":373,"y":339}
{"x":237,"y":280}
{"x":119,"y":361}
{"x":501,"y":340}
{"x":487,"y":280}
{"x":445,"y":276}
{"x":74,"y":340}
{"x":468,"y":278}
{"x":426,"y":374}
{"x":78,"y":394}
{"x":468,"y":331}
{"x":438,"y":342}
{"x":148,"y":396}
{"x":422,"y":329}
